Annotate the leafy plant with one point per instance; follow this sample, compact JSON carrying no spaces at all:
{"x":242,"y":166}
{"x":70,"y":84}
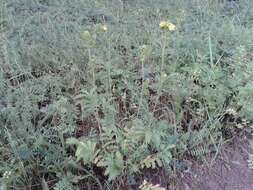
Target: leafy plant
{"x":128,"y":86}
{"x":86,"y":151}
{"x":149,"y":186}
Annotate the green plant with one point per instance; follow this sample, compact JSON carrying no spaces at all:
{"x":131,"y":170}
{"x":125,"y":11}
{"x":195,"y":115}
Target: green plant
{"x":86,"y":151}
{"x":149,"y":186}
{"x":97,"y":90}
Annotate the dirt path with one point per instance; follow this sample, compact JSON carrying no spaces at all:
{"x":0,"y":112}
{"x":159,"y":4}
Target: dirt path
{"x":229,"y":172}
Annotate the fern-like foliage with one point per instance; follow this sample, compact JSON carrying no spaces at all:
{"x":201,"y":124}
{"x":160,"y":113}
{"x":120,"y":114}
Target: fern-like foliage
{"x":151,"y":161}
{"x":149,"y":186}
{"x":199,"y":151}
{"x":114,"y":165}
{"x":85,"y":151}
{"x":143,"y":96}
{"x":63,"y":184}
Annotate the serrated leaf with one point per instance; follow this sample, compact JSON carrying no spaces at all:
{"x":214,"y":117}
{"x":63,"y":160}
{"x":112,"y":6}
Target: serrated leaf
{"x":114,"y":165}
{"x":85,"y":151}
{"x":151,"y":161}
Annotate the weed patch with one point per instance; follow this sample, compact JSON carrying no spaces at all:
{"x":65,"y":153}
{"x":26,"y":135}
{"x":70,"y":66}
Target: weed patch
{"x":102,"y":94}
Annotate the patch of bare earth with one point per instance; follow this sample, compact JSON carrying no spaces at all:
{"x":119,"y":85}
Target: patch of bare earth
{"x":229,"y":171}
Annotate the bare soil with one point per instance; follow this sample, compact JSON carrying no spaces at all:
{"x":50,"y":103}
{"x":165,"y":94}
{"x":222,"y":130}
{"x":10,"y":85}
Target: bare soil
{"x":229,"y":171}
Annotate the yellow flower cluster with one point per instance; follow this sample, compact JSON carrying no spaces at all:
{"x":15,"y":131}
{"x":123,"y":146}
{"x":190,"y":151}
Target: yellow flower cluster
{"x":167,"y":25}
{"x":87,"y":36}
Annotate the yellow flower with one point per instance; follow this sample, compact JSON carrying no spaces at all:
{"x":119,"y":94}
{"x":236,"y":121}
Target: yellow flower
{"x":167,"y":25}
{"x":104,"y":28}
{"x":86,"y":35}
{"x":88,"y":38}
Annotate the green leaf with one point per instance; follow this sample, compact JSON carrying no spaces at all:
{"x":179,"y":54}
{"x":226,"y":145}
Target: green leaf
{"x":148,"y":136}
{"x":86,"y":151}
{"x":72,"y":141}
{"x":149,"y":186}
{"x":114,"y":165}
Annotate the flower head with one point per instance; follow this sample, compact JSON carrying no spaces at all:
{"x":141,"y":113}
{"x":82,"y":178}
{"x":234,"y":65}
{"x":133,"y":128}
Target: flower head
{"x":104,"y":28}
{"x":86,"y":35}
{"x":167,"y":25}
{"x":88,"y":38}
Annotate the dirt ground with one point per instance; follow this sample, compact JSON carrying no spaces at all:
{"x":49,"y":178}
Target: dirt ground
{"x":230,"y":170}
